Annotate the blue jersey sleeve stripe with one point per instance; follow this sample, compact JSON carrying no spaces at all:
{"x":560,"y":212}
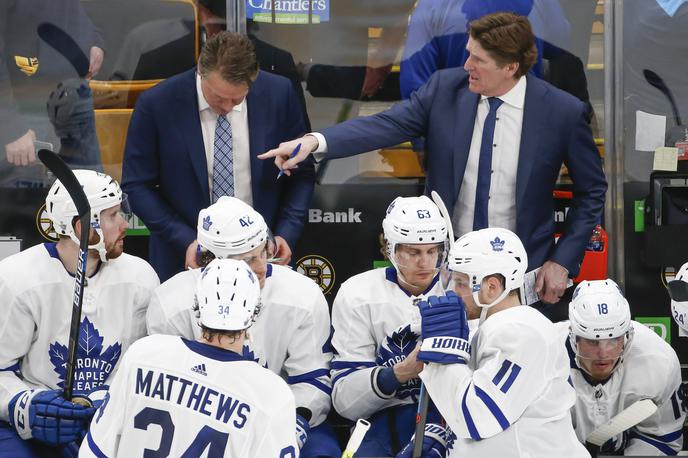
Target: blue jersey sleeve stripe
{"x":343,"y":374}
{"x":312,"y":375}
{"x":493,"y":407}
{"x":469,"y":420}
{"x":13,"y":368}
{"x":502,"y":371}
{"x":94,"y":448}
{"x":347,"y":364}
{"x":671,"y":437}
{"x":661,"y":446}
{"x":515,"y":369}
{"x":319,"y":385}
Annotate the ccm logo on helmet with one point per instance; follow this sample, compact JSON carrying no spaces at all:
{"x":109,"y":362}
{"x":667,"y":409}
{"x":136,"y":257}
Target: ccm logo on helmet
{"x":316,"y":215}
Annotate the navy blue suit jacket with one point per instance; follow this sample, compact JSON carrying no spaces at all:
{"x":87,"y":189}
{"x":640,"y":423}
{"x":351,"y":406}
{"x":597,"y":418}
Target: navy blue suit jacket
{"x":165,"y":170}
{"x":555,"y":131}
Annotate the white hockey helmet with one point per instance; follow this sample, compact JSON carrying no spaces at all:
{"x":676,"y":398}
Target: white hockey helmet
{"x":486,"y":252}
{"x":228,"y":295}
{"x":678,"y":291}
{"x":414,"y":220}
{"x":102,"y":192}
{"x":599,"y":311}
{"x":230,"y":227}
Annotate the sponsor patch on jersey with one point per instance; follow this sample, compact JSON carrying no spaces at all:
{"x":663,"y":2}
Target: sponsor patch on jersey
{"x":318,"y":269}
{"x":45,"y":225}
{"x":93,"y":364}
{"x":199,"y":369}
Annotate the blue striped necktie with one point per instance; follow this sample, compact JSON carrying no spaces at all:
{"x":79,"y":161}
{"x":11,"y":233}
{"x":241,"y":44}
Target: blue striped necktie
{"x":223,"y":162}
{"x":482,"y":189}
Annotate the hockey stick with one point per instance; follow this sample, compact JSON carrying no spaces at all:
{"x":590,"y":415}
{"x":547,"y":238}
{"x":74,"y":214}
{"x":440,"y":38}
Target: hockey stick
{"x":356,"y":438}
{"x":65,"y":175}
{"x":627,"y":418}
{"x":656,"y":81}
{"x":59,"y":40}
{"x":424,"y":401}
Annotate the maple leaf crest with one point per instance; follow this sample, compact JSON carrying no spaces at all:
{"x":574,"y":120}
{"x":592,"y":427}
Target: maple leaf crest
{"x":90,"y":347}
{"x":249,"y":355}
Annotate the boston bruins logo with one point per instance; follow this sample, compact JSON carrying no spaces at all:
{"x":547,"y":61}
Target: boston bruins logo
{"x":318,"y":269}
{"x":45,"y":225}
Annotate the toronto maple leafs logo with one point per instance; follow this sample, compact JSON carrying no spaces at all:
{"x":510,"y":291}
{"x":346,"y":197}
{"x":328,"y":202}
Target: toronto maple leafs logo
{"x":497,"y":244}
{"x":93,"y":364}
{"x":207,"y":223}
{"x":249,"y":355}
{"x":393,"y":350}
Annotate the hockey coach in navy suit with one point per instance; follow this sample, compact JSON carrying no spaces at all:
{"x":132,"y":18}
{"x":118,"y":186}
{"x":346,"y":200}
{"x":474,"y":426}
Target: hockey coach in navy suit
{"x":196,"y":136}
{"x":496,"y":138}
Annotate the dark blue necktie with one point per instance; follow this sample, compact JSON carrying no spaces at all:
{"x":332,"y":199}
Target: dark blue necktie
{"x":223,"y":163}
{"x":482,"y":189}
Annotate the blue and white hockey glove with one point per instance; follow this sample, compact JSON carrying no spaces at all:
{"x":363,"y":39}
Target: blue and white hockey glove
{"x":96,"y":398}
{"x":302,"y":426}
{"x":44,"y":416}
{"x":444,"y":329}
{"x":393,"y":350}
{"x":434,"y":443}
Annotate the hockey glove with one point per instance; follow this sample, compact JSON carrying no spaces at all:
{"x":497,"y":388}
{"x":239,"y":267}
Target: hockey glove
{"x":434,"y":443}
{"x":444,"y":329}
{"x":393,"y":350}
{"x":44,"y":416}
{"x":302,"y":428}
{"x":96,"y":398}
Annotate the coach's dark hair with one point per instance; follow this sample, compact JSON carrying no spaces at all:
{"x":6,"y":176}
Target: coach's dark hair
{"x":232,"y":55}
{"x":508,"y":38}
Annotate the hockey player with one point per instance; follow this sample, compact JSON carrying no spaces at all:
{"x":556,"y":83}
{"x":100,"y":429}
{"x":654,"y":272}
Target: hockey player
{"x":678,"y":291}
{"x":506,"y":392}
{"x":178,"y":397}
{"x":291,"y":336}
{"x":36,"y":291}
{"x":614,"y":363}
{"x":375,"y":320}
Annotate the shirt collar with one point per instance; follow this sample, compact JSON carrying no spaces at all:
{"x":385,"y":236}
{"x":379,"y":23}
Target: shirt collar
{"x":203,"y":104}
{"x":516,"y":96}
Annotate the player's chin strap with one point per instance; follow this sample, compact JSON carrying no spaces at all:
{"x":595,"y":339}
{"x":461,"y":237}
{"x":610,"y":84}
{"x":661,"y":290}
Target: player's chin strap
{"x":100,"y":246}
{"x":485,"y":307}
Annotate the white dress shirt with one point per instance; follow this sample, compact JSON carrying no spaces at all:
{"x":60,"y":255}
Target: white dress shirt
{"x":501,"y":208}
{"x":238,"y":118}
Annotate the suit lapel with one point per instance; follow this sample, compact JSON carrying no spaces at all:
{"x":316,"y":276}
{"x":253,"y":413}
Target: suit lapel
{"x":534,"y":117}
{"x":463,"y":124}
{"x":189,"y":123}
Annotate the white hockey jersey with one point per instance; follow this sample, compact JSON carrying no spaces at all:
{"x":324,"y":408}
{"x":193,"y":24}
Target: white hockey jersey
{"x":36,"y":294}
{"x":650,"y":370}
{"x":291,"y":334}
{"x":184,"y":398}
{"x":512,"y":399}
{"x":372,"y":311}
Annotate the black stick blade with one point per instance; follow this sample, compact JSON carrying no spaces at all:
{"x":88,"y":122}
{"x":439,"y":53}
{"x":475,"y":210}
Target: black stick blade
{"x":65,"y":45}
{"x":63,"y":173}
